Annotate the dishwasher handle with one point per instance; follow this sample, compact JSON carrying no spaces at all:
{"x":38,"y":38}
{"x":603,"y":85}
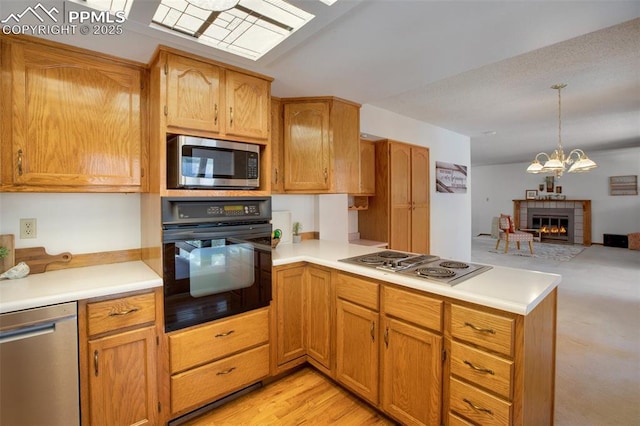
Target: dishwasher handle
{"x":27,"y":332}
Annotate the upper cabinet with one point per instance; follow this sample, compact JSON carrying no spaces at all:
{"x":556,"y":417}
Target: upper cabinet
{"x":196,"y":96}
{"x":210,"y":100}
{"x":367,"y":168}
{"x":73,"y":120}
{"x":193,"y":94}
{"x":320,"y":145}
{"x":277,"y":160}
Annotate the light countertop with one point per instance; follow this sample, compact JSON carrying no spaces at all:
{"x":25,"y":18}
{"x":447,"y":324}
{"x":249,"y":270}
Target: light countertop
{"x":509,"y":289}
{"x":66,"y":285}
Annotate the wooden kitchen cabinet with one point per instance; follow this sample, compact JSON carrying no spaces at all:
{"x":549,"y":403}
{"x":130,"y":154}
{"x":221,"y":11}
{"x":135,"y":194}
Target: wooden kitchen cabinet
{"x":202,"y":96}
{"x":210,"y":361}
{"x":73,"y":120}
{"x":412,"y":357}
{"x":277,"y":155}
{"x":367,"y":168}
{"x":303,"y":317}
{"x":193,"y":94}
{"x":248,"y":103}
{"x":321,"y":145}
{"x":118,"y":360}
{"x":318,"y":320}
{"x":400,"y":211}
{"x":289,"y":316}
{"x":357,"y":331}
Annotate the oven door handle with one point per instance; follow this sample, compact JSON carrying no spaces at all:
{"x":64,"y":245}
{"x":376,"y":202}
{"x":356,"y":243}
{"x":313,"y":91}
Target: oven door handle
{"x":200,"y":234}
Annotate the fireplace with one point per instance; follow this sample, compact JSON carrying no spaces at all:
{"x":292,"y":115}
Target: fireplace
{"x":578,"y":227}
{"x":555,"y":225}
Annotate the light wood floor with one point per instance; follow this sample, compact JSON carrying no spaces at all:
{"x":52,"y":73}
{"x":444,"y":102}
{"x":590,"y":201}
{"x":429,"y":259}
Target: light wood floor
{"x":305,"y":397}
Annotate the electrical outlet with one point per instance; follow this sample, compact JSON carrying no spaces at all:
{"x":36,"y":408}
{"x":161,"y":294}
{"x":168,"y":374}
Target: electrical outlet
{"x":27,"y":228}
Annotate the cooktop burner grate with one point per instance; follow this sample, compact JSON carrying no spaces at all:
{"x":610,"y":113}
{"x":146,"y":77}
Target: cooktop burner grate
{"x":371,"y":260}
{"x":435,"y":272}
{"x":454,"y":265}
{"x":392,"y":255}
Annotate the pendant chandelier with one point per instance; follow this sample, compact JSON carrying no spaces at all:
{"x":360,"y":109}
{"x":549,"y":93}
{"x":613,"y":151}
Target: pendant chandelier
{"x":557,"y":163}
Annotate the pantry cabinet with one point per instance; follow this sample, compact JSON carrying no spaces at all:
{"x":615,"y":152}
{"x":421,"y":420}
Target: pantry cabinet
{"x":73,"y":120}
{"x":118,"y":360}
{"x":400,"y":211}
{"x":320,"y":145}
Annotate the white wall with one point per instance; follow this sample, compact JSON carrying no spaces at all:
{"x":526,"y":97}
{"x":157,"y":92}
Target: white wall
{"x":77,"y":223}
{"x":450,"y":213}
{"x":496,"y":186}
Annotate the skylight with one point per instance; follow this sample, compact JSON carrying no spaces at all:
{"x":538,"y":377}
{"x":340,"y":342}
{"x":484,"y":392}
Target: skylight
{"x":108,"y":5}
{"x":249,"y":29}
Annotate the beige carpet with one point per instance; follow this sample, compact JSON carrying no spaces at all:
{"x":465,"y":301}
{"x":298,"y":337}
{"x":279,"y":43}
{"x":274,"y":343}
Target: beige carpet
{"x":598,"y":334}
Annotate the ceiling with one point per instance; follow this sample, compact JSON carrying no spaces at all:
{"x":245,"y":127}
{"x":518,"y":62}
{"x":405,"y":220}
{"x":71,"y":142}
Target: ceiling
{"x":479,"y":68}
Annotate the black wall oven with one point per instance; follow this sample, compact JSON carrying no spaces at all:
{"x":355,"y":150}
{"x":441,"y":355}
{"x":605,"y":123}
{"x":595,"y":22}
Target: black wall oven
{"x":216,"y":258}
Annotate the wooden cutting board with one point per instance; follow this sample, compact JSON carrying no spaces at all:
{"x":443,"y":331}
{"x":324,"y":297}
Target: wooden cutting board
{"x":38,"y":259}
{"x":7,"y":241}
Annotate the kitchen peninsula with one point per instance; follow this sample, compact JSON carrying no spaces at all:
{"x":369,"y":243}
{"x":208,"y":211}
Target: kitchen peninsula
{"x":422,"y":352}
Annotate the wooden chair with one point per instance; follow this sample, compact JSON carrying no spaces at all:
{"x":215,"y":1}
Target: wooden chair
{"x":507,"y":233}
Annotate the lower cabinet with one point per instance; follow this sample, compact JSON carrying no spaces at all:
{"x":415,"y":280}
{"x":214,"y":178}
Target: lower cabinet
{"x":210,"y":361}
{"x":318,"y":317}
{"x":118,"y":360}
{"x":357,"y":349}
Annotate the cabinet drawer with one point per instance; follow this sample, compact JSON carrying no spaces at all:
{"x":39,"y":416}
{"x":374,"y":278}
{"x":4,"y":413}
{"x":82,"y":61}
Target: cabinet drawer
{"x":357,"y":290}
{"x":490,"y":331}
{"x":213,"y":341}
{"x":482,"y":368}
{"x":412,"y":307}
{"x":119,"y":313}
{"x":458,"y":421}
{"x":217,"y":379}
{"x":478,"y":405}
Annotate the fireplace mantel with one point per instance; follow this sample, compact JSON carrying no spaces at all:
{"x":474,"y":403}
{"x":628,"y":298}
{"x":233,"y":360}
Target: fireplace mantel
{"x":520,"y":208}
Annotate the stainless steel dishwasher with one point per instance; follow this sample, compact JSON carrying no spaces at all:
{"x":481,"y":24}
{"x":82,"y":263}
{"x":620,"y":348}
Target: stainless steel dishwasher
{"x":39,"y":367}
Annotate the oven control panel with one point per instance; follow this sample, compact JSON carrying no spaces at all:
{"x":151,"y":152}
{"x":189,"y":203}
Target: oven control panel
{"x":176,"y":211}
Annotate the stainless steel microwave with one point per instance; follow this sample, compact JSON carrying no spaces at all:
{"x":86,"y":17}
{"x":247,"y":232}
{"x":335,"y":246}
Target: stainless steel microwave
{"x":201,"y":163}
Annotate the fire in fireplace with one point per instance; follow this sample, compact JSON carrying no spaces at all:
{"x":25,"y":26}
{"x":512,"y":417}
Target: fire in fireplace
{"x":555,"y":225}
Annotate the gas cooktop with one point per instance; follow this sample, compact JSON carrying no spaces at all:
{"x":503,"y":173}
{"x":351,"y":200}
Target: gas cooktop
{"x":424,"y":266}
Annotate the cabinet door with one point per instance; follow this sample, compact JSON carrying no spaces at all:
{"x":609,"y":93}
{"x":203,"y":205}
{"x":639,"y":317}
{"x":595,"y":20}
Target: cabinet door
{"x":318,"y":318}
{"x":122,"y":379}
{"x":193,"y":94}
{"x":357,"y":349}
{"x":77,"y":120}
{"x":248,"y":105}
{"x":400,"y":196}
{"x":411,"y":373}
{"x":306,"y":146}
{"x":289,"y":315}
{"x":419,"y":200}
{"x":277,"y":155}
{"x":367,"y":167}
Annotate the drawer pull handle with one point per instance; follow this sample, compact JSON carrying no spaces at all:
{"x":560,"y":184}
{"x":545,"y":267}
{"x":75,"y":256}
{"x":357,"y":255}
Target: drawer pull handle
{"x":125,"y":312}
{"x":475,"y":407}
{"x":227,"y":371}
{"x":225,"y":334}
{"x":386,"y":336}
{"x":483,"y":330}
{"x":19,"y":162}
{"x":231,"y":114}
{"x":215,"y":117}
{"x":95,"y":362}
{"x":372,"y":331}
{"x":480,"y":369}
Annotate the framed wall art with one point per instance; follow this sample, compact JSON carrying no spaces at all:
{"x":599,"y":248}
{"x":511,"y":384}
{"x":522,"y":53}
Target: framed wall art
{"x":623,"y":185}
{"x":549,"y":181}
{"x":530,"y":194}
{"x":451,"y":178}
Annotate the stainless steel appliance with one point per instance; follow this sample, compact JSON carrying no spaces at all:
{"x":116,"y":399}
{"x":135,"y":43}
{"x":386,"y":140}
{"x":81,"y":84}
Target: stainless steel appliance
{"x":216,"y":258}
{"x":194,"y":162}
{"x":424,"y":266}
{"x":39,"y":366}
